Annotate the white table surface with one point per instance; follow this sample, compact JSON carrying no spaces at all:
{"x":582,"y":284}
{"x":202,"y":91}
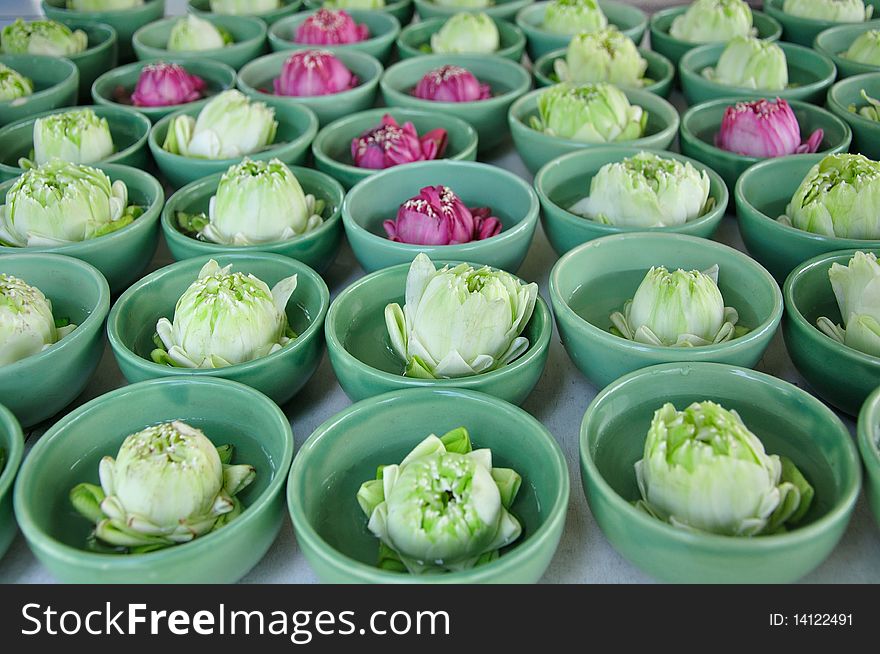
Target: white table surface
{"x":559,"y":401}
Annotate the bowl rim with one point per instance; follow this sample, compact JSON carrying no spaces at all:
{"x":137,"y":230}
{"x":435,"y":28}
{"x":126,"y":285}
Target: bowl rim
{"x":106,"y":32}
{"x":62,"y":62}
{"x":390,"y":30}
{"x":845,"y":28}
{"x":674,"y":12}
{"x":844,"y":504}
{"x":89,"y":15}
{"x":235,"y":46}
{"x":389,"y":6}
{"x":834,"y":105}
{"x":507,"y":5}
{"x":868,"y":417}
{"x":774,"y":9}
{"x":528,"y":222}
{"x":524,"y":15}
{"x":520,"y":553}
{"x":130,"y":295}
{"x":69,"y":555}
{"x":519,"y":37}
{"x":716,"y":214}
{"x":15,"y":452}
{"x":653,"y":58}
{"x":562,"y":308}
{"x":93,"y":323}
{"x":286,"y":6}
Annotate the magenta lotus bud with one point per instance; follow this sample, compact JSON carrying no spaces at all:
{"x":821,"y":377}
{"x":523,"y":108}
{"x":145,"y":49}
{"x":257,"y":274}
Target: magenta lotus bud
{"x":485,"y":224}
{"x":313,"y":72}
{"x":327,"y":27}
{"x":764,"y":128}
{"x":389,"y":144}
{"x":436,"y":216}
{"x":451,"y":84}
{"x":163,"y":85}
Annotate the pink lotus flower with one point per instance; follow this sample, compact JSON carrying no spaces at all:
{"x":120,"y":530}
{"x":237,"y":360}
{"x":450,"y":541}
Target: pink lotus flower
{"x":389,"y":144}
{"x":163,"y":85}
{"x":764,"y":128}
{"x":313,"y":72}
{"x":326,"y":27}
{"x":436,"y":216}
{"x":451,"y":84}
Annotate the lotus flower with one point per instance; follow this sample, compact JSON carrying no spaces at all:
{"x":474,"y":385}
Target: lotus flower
{"x":871,"y":111}
{"x":193,"y":34}
{"x":573,"y":16}
{"x":42,"y":37}
{"x":590,"y":113}
{"x":164,"y":85}
{"x":467,"y":33}
{"x":354,"y":4}
{"x":244,"y":7}
{"x":470,"y":4}
{"x":837,"y":11}
{"x":750,"y":63}
{"x":451,"y":84}
{"x":713,"y":21}
{"x":857,"y":289}
{"x":865,"y":49}
{"x":314,"y":72}
{"x":604,"y":56}
{"x":437,"y":216}
{"x":103,"y":5}
{"x":326,"y":27}
{"x":27,"y":325}
{"x":764,"y":128}
{"x":77,"y":136}
{"x":389,"y":144}
{"x":13,"y":85}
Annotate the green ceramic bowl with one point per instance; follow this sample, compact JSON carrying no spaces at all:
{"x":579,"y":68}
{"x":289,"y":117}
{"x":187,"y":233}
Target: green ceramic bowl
{"x":12,"y":443}
{"x":866,"y":133}
{"x":256,"y":79}
{"x":79,"y":293}
{"x":378,"y":198}
{"x":870,"y":449}
{"x":674,"y":49}
{"x":835,"y":41}
{"x":384,"y":29}
{"x":536,"y":148}
{"x":365,"y":365}
{"x":803,"y":30}
{"x":100,"y":56}
{"x":597,"y":278}
{"x":630,"y":20}
{"x":115,"y":87}
{"x":56,"y":83}
{"x":316,"y":249}
{"x":789,"y":422}
{"x":132,"y":324}
{"x":332,"y":147}
{"x":512,"y":41}
{"x":762,"y":194}
{"x":660,"y":71}
{"x":128,"y":128}
{"x":566,"y":179}
{"x":499,"y":10}
{"x":702,"y":122}
{"x":124,"y":254}
{"x":125,"y":21}
{"x":297,"y":126}
{"x":287,"y":8}
{"x":809,"y":74}
{"x":402,"y":10}
{"x":839,"y":374}
{"x":69,"y":454}
{"x":249,"y":40}
{"x":508,"y":80}
{"x":344,"y":452}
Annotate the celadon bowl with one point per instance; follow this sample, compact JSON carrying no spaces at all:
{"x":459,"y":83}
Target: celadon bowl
{"x":507,"y":79}
{"x":869,"y":446}
{"x":287,"y":8}
{"x":332,"y":147}
{"x":366,"y":365}
{"x":804,"y":30}
{"x":128,"y":128}
{"x":101,"y":54}
{"x":120,"y":256}
{"x":316,"y":248}
{"x":402,"y":10}
{"x":630,"y":20}
{"x":674,"y":49}
{"x":12,"y":443}
{"x":125,"y":21}
{"x":762,"y":195}
{"x":505,"y":10}
{"x":344,"y":452}
{"x":69,"y":453}
{"x":839,"y":374}
{"x":866,"y":132}
{"x":55,"y":80}
{"x":597,"y":278}
{"x":383,"y":27}
{"x":115,"y":87}
{"x":810,"y":73}
{"x":39,"y":386}
{"x":835,"y":41}
{"x":256,"y":80}
{"x":297,"y":126}
{"x":660,"y":71}
{"x":512,"y":41}
{"x":701,"y":123}
{"x":789,"y":422}
{"x":280,"y":375}
{"x":378,"y":198}
{"x":249,"y":40}
{"x":536,"y":148}
{"x":566,"y":180}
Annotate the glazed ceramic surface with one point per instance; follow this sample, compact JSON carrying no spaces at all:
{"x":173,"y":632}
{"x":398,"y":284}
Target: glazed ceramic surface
{"x":803,"y":30}
{"x":848,"y":92}
{"x":383,"y":27}
{"x":869,"y":446}
{"x":12,"y":443}
{"x":287,"y":8}
{"x":499,"y":10}
{"x":835,"y":41}
{"x":55,"y":80}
